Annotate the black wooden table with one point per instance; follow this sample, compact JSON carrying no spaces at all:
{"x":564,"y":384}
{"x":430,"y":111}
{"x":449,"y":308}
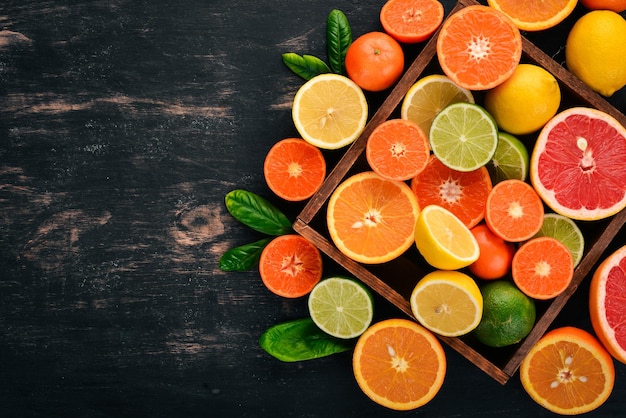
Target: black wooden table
{"x":122,"y":126}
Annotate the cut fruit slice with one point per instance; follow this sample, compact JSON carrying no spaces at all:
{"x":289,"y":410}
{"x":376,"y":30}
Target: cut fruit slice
{"x":429,"y":96}
{"x":399,"y":364}
{"x":514,"y":211}
{"x":464,"y":136}
{"x":397,"y":149}
{"x":568,"y":372}
{"x":330,"y":111}
{"x":607,"y":309}
{"x":448,"y":303}
{"x":577,"y":165}
{"x":290,"y":266}
{"x":510,"y":161}
{"x":542,"y":268}
{"x":411,"y":21}
{"x":565,"y":230}
{"x":341,"y":307}
{"x":294,"y":169}
{"x":479,"y":47}
{"x":531,"y":15}
{"x":443,"y":240}
{"x":464,"y":193}
{"x":372,"y":219}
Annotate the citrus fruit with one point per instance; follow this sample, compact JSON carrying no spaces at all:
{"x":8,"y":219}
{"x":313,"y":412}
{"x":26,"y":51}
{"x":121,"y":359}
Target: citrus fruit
{"x":429,"y":96}
{"x":290,"y":266}
{"x":374,"y":61}
{"x":514,"y":211}
{"x":595,"y":50}
{"x":508,"y":314}
{"x":615,"y":5}
{"x":542,"y":268}
{"x":577,"y":164}
{"x":411,"y":21}
{"x":371,"y":219}
{"x":524,"y":102}
{"x":341,"y":307}
{"x":464,"y":193}
{"x":294,"y":169}
{"x":464,"y":136}
{"x":565,"y":230}
{"x":397,"y":149}
{"x":448,"y":303}
{"x":399,"y":364}
{"x":479,"y":47}
{"x":568,"y":372}
{"x":496,"y":254}
{"x":607,"y":309}
{"x":510,"y":161}
{"x":530,"y":15}
{"x":329,"y":111}
{"x":443,"y":240}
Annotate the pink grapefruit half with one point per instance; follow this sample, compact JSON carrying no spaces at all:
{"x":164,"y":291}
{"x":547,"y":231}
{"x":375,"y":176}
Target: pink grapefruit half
{"x":607,"y":303}
{"x":578,"y":165}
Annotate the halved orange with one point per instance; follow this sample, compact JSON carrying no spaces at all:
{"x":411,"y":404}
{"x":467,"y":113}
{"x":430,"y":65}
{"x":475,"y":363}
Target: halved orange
{"x":568,"y":372}
{"x":479,"y":47}
{"x":411,"y":21}
{"x":372,"y":219}
{"x":533,"y":15}
{"x":399,"y":364}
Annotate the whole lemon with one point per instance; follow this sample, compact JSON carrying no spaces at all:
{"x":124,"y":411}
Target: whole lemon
{"x":526,"y":101}
{"x":595,"y":51}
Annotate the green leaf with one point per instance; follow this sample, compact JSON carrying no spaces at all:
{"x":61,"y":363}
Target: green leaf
{"x":244,"y":257}
{"x":257,"y":213}
{"x":301,"y":339}
{"x":338,"y":39}
{"x":306,"y":66}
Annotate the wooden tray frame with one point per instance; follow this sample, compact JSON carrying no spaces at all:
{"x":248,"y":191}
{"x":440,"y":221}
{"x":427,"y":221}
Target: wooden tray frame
{"x":311,"y":228}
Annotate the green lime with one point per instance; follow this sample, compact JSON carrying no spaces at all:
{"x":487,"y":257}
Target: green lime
{"x":508,"y":314}
{"x":464,"y":136}
{"x":565,"y":230}
{"x":510,"y":160}
{"x":341,"y":307}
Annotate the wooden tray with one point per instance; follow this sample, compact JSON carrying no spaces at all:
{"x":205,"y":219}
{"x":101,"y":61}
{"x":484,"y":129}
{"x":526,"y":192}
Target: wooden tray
{"x":395,"y":280}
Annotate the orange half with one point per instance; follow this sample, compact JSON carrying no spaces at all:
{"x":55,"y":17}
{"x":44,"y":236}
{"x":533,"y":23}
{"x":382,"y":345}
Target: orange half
{"x":533,"y":15}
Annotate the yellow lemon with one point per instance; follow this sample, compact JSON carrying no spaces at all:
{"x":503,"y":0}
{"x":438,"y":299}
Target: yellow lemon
{"x":595,"y":51}
{"x":524,"y":102}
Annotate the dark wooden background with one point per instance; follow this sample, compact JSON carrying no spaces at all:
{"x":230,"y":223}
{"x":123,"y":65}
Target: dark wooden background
{"x":122,"y":126}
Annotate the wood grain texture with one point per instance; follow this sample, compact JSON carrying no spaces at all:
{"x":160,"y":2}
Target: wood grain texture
{"x":123,"y":124}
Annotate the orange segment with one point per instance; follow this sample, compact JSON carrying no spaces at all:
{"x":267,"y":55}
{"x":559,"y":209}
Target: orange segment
{"x":397,"y":149}
{"x":568,"y":372}
{"x":371,"y":219}
{"x":607,"y":309}
{"x":411,"y":21}
{"x":514,"y":211}
{"x":533,"y":15}
{"x":290,"y":266}
{"x":294,"y":169}
{"x":542,"y":268}
{"x":399,"y":364}
{"x":462,"y":193}
{"x":479,"y":47}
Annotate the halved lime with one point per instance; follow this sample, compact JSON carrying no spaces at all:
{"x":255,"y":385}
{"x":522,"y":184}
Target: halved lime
{"x":464,"y":136}
{"x":510,"y":160}
{"x":341,"y":307}
{"x":429,"y":96}
{"x":565,"y":230}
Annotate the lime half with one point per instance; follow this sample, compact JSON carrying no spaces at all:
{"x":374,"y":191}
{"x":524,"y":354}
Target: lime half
{"x":341,"y":307}
{"x":510,"y":160}
{"x":565,"y":230}
{"x":464,"y":136}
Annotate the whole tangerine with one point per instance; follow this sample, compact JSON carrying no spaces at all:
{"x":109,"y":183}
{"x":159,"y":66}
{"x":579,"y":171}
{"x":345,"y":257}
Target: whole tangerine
{"x":495,"y":256}
{"x":614,"y":5}
{"x":374,"y":61}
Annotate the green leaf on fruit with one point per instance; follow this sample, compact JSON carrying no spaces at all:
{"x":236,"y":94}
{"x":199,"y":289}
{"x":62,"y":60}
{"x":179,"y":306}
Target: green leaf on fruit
{"x":306,"y":66}
{"x":244,"y":257}
{"x":338,"y":39}
{"x":257,"y":213}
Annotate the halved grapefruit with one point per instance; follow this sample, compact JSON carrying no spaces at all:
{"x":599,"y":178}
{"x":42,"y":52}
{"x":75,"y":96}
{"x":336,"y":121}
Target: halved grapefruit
{"x":577,"y":165}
